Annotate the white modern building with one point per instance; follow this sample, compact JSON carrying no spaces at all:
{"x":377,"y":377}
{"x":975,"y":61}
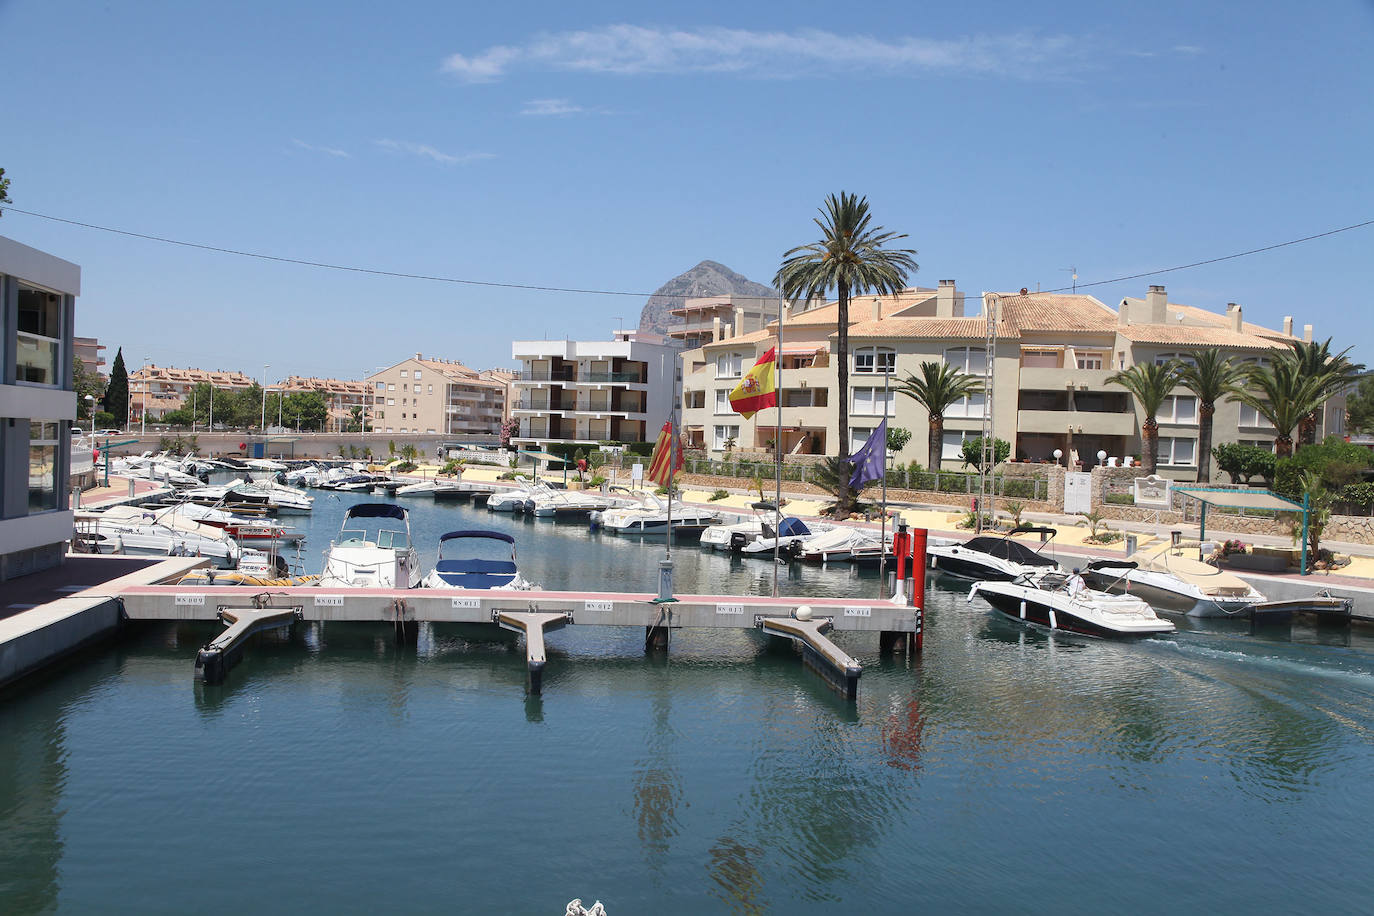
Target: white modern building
{"x":586,"y":392}
{"x":37,"y":406}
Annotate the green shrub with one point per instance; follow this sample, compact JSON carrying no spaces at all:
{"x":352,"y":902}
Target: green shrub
{"x":1121,"y":499}
{"x":719,"y":494}
{"x":1245,"y":462}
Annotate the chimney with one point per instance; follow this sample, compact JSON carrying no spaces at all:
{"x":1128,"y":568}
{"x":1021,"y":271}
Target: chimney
{"x":949,"y":302}
{"x":1233,"y":312}
{"x":877,"y":309}
{"x":1307,"y":333}
{"x":1123,"y":315}
{"x":715,"y":329}
{"x":417,"y":355}
{"x":739,"y":318}
{"x":1288,"y":325}
{"x":1157,"y":305}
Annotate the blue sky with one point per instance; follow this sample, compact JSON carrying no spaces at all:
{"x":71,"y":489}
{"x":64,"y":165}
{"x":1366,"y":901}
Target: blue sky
{"x":613,"y":145}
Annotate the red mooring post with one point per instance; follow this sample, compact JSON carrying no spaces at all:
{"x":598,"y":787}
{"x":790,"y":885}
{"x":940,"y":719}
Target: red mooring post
{"x":899,"y":550}
{"x":918,"y":583}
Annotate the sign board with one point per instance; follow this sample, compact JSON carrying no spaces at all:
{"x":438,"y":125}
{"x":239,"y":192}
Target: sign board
{"x":1154,"y":492}
{"x":1078,"y":492}
{"x":637,"y":472}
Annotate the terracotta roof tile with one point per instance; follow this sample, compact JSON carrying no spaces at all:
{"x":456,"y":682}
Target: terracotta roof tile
{"x":1186,"y":335}
{"x":1056,"y":312}
{"x":927,"y":329}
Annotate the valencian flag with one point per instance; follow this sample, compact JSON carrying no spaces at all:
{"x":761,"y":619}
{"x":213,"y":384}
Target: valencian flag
{"x":870,"y":458}
{"x":756,"y":390}
{"x":661,"y":468}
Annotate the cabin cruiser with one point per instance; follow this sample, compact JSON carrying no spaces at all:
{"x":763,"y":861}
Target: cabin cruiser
{"x":373,"y":550}
{"x":514,"y":499}
{"x":474,"y":572}
{"x":788,"y":540}
{"x":1049,"y":598}
{"x":766,"y":516}
{"x":1179,"y":584}
{"x":653,"y":515}
{"x":990,"y":558}
{"x":131,"y":531}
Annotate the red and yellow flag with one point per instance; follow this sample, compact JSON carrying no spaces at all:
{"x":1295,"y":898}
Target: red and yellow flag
{"x":757,"y":389}
{"x":661,"y":467}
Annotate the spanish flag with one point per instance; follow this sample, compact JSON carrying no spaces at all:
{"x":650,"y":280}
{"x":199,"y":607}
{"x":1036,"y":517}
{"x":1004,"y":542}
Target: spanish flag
{"x":757,"y":389}
{"x":661,"y":467}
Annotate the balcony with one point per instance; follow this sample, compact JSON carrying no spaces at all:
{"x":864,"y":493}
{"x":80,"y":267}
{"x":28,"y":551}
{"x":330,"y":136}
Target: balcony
{"x":546,"y":375}
{"x":602,"y":378}
{"x":1037,"y":379}
{"x":1059,"y":422}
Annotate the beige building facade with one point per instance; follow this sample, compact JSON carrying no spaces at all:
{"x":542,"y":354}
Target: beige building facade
{"x":1052,"y":355}
{"x":438,"y":397}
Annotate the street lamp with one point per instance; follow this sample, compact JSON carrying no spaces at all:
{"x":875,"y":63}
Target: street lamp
{"x":262,"y":423}
{"x":1058,"y":453}
{"x":143,"y":402}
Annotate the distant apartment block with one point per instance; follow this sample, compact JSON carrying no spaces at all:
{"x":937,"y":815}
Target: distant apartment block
{"x":340,"y":397}
{"x":37,"y":406}
{"x":586,"y":392}
{"x":1052,"y":356}
{"x":88,"y":351}
{"x":701,"y":320}
{"x":431,"y":396}
{"x":160,"y":389}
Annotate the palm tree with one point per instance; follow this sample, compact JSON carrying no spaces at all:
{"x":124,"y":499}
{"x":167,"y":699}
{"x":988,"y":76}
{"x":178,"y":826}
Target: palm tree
{"x":850,"y":259}
{"x":832,"y":475}
{"x":1333,"y":372}
{"x":1150,"y":384}
{"x":938,"y":386}
{"x":1283,"y":395}
{"x":1211,"y":377}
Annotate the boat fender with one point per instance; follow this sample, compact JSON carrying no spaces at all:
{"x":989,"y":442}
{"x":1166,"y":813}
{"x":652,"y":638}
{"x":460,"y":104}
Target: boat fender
{"x":973,"y":591}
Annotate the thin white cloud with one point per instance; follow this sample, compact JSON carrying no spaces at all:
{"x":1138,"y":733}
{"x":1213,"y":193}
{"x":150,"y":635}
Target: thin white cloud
{"x":425,"y":151}
{"x":301,"y":144}
{"x":551,"y":108}
{"x":1188,"y":49}
{"x":631,"y":50}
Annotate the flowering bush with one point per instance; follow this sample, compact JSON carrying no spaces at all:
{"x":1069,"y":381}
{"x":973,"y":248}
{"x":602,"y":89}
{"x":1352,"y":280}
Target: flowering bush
{"x":1235,"y":545}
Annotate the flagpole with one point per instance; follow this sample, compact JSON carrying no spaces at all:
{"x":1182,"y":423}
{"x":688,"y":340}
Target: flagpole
{"x":777,"y":446}
{"x":672,"y":457}
{"x":882,"y":531}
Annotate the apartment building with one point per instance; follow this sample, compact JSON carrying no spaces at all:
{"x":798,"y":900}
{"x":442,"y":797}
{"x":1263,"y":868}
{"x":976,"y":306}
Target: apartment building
{"x":1052,"y":355}
{"x":88,"y":351}
{"x":160,"y":389}
{"x":37,"y":406}
{"x":585,"y":392}
{"x":340,"y":396}
{"x":438,"y":397}
{"x":703,"y":319}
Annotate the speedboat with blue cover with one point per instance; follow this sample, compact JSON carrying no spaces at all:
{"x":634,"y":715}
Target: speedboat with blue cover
{"x":474,"y":572}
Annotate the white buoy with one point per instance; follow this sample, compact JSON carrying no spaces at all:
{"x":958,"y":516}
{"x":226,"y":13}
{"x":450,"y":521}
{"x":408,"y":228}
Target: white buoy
{"x":803,"y":612}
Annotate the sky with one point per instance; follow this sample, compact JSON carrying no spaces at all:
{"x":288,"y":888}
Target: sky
{"x":611,"y":146}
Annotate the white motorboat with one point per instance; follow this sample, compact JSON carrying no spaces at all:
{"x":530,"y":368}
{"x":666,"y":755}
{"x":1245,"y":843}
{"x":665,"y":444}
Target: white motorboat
{"x":838,"y":544}
{"x":788,"y":540}
{"x":373,"y":550}
{"x":720,"y":537}
{"x":1176,"y":583}
{"x":653,"y":515}
{"x":1043,"y":598}
{"x":988,"y":558}
{"x":475,"y":572}
{"x":133,"y":532}
{"x":514,"y":499}
{"x":419,"y":488}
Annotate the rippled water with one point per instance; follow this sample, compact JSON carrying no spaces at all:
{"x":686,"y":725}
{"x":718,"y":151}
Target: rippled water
{"x":1004,"y":770}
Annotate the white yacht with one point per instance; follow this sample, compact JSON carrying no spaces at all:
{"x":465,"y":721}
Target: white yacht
{"x":134,"y":532}
{"x":720,"y":537}
{"x":991,"y":558}
{"x":373,"y":550}
{"x":653,"y":515}
{"x":1043,"y":598}
{"x":1174,"y":583}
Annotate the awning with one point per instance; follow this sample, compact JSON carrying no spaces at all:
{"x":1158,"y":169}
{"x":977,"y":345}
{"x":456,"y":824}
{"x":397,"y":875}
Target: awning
{"x":1240,"y":499}
{"x":802,"y":350}
{"x":542,"y":456}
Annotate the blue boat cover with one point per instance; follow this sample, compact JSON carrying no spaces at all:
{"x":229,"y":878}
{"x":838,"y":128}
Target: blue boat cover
{"x":478,"y":533}
{"x":377,"y":510}
{"x":476,"y":573}
{"x":792,"y":527}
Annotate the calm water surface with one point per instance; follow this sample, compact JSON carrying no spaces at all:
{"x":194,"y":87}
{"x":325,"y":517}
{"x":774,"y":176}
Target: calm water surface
{"x":1002,"y":771}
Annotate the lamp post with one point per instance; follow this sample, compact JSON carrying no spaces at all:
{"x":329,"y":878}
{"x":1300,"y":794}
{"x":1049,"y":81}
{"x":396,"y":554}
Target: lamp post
{"x":143,"y":402}
{"x":262,"y":423}
{"x":1058,"y":453}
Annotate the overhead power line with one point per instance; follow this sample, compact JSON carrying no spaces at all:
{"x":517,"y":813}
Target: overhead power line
{"x":613,"y":292}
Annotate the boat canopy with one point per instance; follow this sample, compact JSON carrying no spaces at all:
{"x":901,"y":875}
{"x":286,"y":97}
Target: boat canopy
{"x":1007,"y":549}
{"x":376,"y":510}
{"x":477,"y":533}
{"x":793,"y":527}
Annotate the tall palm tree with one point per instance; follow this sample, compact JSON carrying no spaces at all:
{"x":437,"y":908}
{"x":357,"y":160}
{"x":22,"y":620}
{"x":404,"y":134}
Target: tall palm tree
{"x":850,"y":259}
{"x":1334,"y":374}
{"x":1150,"y":384}
{"x":938,"y":386}
{"x":1283,"y":394}
{"x":1211,"y":376}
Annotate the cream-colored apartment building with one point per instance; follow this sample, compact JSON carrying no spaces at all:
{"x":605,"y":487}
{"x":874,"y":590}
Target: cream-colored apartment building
{"x":438,"y":397}
{"x":161,"y":389}
{"x":703,"y":319}
{"x":1052,"y":355}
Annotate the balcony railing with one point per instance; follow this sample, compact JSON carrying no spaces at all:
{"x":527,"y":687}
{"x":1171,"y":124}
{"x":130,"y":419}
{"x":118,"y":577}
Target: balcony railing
{"x":547,"y":375}
{"x":601,"y":377}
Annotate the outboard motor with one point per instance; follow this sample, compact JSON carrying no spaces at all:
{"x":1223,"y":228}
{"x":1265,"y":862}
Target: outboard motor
{"x":738,"y":541}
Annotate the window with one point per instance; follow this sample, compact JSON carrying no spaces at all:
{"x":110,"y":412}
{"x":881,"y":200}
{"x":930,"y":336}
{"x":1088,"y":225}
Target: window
{"x":431,"y":389}
{"x":870,"y":401}
{"x":391,"y":386}
{"x":1176,"y":452}
{"x":1266,"y":444}
{"x":1178,"y":409}
{"x":858,"y":438}
{"x":972,"y":405}
{"x":1041,"y":358}
{"x":403,"y":373}
{"x":390,"y":402}
{"x":724,"y":434}
{"x":381,"y":386}
{"x":952,"y":444}
{"x":1252,"y":418}
{"x":39,"y":337}
{"x":1163,"y":358}
{"x":417,"y":375}
{"x":417,"y":389}
{"x":43,"y":465}
{"x":972,"y":360}
{"x":722,"y":401}
{"x":875,"y":359}
{"x":729,"y":365}
{"x":1087,"y":360}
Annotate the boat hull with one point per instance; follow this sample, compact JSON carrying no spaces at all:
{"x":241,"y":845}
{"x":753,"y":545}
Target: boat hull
{"x":1055,"y":611}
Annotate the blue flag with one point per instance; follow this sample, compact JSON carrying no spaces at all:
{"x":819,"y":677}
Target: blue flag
{"x":871,"y":459}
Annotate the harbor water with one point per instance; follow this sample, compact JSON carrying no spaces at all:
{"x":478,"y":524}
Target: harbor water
{"x":1002,"y":770}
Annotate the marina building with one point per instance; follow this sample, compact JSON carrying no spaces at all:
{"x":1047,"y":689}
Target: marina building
{"x":438,"y":397}
{"x":586,"y":392}
{"x":37,"y":406}
{"x":1052,"y":356}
